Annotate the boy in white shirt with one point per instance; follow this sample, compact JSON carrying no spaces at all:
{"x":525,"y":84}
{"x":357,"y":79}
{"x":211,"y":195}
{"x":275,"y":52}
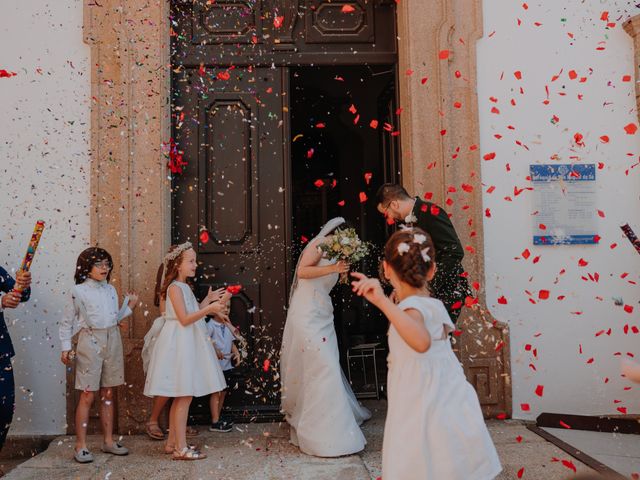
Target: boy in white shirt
{"x":99,"y":356}
{"x":222,"y":334}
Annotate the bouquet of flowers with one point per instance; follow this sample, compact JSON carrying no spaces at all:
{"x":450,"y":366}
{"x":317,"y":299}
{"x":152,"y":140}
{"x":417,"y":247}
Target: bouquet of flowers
{"x":345,"y":245}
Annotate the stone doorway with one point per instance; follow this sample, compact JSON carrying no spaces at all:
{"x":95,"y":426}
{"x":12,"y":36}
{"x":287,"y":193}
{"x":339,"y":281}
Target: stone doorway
{"x":131,"y":119}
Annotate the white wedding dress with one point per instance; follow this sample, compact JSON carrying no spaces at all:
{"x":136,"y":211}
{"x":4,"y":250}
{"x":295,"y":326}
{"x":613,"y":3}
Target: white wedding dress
{"x":317,"y":399}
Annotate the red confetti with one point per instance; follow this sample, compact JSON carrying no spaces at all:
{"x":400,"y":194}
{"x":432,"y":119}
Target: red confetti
{"x":569,"y":464}
{"x":521,"y":472}
{"x":525,"y":407}
{"x":543,"y":294}
{"x":278,"y":21}
{"x":628,"y":308}
{"x":631,"y":129}
{"x":265,"y":365}
{"x":320,"y":125}
{"x":502,"y":300}
{"x":565,"y":425}
{"x":6,"y":74}
{"x":223,"y":75}
{"x":363,"y":197}
{"x":373,"y":124}
{"x":347,"y":8}
{"x":234,"y":289}
{"x":318,"y":183}
{"x":518,"y":74}
{"x":443,"y":55}
{"x":539,"y":390}
{"x":490,"y":156}
{"x":582,"y":262}
{"x":367,"y":177}
{"x":204,"y":236}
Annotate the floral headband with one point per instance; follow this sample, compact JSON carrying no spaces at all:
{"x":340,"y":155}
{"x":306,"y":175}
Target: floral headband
{"x":173,"y":254}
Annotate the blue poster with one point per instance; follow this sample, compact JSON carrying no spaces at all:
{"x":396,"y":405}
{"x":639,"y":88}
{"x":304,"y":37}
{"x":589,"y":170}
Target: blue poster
{"x":564,"y":204}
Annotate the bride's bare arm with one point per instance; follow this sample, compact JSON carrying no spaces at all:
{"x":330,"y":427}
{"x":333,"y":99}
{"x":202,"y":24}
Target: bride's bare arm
{"x":309,"y":268}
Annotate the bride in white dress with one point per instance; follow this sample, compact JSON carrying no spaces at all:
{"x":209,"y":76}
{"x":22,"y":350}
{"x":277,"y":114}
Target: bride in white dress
{"x":317,"y":399}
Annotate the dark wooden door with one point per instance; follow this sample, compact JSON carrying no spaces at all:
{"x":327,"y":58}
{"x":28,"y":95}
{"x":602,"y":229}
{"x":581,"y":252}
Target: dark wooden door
{"x":230,"y":202}
{"x":230,"y":119}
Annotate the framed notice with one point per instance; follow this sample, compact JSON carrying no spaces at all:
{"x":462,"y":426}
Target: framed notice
{"x":565,"y":202}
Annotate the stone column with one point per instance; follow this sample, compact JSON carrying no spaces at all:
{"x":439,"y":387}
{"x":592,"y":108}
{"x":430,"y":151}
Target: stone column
{"x":632,"y":27}
{"x":130,"y":203}
{"x":440,"y":154}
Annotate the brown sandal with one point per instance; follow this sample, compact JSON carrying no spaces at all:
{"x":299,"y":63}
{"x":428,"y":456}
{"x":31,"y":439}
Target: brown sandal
{"x":168,"y":449}
{"x":154,"y":431}
{"x":188,"y":454}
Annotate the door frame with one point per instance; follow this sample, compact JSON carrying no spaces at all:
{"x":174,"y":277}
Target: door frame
{"x":131,"y":119}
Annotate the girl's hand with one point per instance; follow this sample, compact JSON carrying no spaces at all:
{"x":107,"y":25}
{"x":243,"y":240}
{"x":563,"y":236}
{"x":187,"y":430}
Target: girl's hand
{"x":214,"y":295}
{"x":631,"y":370}
{"x":368,"y":288}
{"x":219,"y":354}
{"x":133,"y":299}
{"x":65,"y":357}
{"x":341,"y":267}
{"x":225,"y":298}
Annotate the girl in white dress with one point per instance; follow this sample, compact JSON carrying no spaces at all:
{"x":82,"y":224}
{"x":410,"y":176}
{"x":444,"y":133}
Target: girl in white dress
{"x":434,"y":428}
{"x":183,"y":363}
{"x":317,"y":400}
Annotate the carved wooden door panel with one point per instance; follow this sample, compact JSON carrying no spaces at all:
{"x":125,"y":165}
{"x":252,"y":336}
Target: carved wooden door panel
{"x":230,"y":203}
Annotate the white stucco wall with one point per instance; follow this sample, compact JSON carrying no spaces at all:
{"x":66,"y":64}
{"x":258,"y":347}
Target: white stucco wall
{"x":571,"y":384}
{"x":44,"y":166}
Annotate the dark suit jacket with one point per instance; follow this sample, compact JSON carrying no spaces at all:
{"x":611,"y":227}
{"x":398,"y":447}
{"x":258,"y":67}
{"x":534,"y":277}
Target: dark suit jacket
{"x":435,"y":221}
{"x":6,"y":285}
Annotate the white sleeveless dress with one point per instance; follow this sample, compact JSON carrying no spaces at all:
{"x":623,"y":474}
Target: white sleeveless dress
{"x":183,"y":361}
{"x":434,"y":428}
{"x":317,"y":399}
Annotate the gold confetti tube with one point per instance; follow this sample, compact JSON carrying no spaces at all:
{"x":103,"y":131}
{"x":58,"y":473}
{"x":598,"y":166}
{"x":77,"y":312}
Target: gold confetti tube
{"x":31,"y":250}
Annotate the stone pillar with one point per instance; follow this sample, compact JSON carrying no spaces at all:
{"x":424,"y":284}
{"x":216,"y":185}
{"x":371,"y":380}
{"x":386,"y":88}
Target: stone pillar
{"x":130,"y":203}
{"x":440,"y":154}
{"x":632,"y":27}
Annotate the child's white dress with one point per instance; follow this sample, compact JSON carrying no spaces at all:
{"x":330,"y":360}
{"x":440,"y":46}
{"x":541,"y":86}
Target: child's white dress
{"x":434,"y":428}
{"x":183,"y":361}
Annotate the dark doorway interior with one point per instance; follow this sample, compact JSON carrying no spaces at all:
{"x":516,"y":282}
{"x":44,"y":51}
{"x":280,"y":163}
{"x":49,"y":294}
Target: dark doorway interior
{"x":337,"y":155}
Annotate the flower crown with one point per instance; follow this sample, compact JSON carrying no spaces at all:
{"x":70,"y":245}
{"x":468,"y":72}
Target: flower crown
{"x":173,"y":254}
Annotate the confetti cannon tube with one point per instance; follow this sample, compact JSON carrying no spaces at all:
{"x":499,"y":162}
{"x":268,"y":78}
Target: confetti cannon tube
{"x":631,"y":236}
{"x":31,"y":250}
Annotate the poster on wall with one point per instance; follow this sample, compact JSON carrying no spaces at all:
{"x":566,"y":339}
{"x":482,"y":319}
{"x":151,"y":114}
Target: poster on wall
{"x":565,"y":204}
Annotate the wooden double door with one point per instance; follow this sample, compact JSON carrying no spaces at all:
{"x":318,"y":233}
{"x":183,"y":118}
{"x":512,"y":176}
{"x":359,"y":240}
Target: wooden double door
{"x":232,"y":63}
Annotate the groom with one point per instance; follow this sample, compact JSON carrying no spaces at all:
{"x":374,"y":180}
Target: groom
{"x":448,"y":285}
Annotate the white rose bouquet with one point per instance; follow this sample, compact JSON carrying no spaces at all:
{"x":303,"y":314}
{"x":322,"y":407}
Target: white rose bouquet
{"x":345,"y":245}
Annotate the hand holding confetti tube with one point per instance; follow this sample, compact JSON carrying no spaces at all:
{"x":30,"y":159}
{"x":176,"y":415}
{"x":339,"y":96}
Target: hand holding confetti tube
{"x":31,"y":251}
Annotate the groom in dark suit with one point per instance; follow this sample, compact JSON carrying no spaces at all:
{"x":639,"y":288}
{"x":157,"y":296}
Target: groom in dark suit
{"x":448,"y":285}
{"x":9,"y":299}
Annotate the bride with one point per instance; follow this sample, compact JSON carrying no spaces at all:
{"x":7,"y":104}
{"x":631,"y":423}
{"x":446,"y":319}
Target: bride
{"x":317,"y":400}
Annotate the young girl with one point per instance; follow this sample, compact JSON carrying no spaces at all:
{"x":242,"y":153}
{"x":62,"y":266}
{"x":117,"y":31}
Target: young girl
{"x":183,"y":363}
{"x":434,"y":427}
{"x":152,"y":426}
{"x":222,"y":334}
{"x":99,"y":357}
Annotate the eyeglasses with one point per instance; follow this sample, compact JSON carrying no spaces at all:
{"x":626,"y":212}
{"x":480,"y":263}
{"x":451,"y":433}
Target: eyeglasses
{"x":103,"y":264}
